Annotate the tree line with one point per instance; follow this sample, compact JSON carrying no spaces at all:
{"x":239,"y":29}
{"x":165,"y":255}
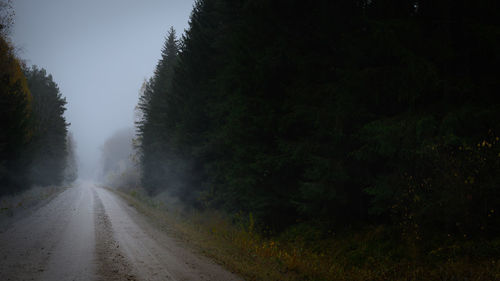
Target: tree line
{"x":35,"y":148}
{"x":118,"y":163}
{"x":331,"y":113}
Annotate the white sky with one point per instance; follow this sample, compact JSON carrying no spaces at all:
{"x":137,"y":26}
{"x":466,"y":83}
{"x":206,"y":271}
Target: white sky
{"x":99,"y":53}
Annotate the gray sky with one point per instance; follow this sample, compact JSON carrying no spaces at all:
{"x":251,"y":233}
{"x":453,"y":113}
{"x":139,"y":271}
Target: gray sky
{"x":99,"y":53}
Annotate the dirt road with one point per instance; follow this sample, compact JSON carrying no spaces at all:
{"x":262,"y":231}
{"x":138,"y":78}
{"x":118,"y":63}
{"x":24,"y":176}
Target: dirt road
{"x":87,"y":233}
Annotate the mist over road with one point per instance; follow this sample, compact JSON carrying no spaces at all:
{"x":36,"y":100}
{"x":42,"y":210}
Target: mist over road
{"x":88,"y":233}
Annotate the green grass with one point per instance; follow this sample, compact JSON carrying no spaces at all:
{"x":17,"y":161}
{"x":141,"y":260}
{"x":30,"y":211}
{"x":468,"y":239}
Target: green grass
{"x":374,"y":253}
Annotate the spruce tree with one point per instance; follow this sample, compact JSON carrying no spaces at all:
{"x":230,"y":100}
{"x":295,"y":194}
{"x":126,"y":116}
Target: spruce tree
{"x":152,"y":129}
{"x":48,"y":147}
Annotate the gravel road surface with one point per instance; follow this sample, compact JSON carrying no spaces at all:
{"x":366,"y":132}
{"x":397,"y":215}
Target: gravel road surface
{"x":88,"y":233}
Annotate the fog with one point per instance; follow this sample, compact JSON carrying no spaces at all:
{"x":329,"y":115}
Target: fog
{"x":99,"y":53}
{"x":118,"y":165}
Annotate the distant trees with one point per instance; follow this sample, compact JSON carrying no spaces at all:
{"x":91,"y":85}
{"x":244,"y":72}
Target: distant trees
{"x":119,"y":167}
{"x":334,"y":112}
{"x":71,"y":171}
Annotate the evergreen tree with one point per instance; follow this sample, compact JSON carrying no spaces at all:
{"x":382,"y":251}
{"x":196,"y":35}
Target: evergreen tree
{"x":153,"y":129}
{"x":48,"y":147}
{"x":328,"y":119}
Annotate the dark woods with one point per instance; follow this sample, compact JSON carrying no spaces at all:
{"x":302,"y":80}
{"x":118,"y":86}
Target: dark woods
{"x":34,"y":145}
{"x":48,"y":143}
{"x":331,"y":113}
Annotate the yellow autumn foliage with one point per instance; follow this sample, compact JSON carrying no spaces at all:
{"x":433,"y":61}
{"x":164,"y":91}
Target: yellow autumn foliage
{"x":13,"y":81}
{"x":11,"y":71}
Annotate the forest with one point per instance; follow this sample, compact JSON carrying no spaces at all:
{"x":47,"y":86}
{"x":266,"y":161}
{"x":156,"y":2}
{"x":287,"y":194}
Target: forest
{"x":332,"y":113}
{"x":35,"y":147}
{"x":334,"y":117}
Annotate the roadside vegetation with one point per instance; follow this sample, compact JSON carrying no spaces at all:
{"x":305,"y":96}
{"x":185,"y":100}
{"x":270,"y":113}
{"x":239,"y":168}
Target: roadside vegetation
{"x":304,"y":253}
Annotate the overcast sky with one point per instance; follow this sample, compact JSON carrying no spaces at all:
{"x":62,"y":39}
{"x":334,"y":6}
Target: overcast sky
{"x":99,"y":53}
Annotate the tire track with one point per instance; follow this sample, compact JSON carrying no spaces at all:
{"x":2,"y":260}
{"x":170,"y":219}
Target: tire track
{"x":111,"y":263}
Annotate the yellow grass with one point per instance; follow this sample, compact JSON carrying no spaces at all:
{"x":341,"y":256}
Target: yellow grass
{"x":355,"y":256}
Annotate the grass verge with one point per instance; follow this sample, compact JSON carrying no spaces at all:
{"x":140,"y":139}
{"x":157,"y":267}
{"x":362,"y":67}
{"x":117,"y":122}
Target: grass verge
{"x":11,"y":205}
{"x":300,"y":254}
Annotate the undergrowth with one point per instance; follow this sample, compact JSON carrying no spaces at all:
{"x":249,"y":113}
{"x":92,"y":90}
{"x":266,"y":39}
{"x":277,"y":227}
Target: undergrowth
{"x":373,"y":253}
